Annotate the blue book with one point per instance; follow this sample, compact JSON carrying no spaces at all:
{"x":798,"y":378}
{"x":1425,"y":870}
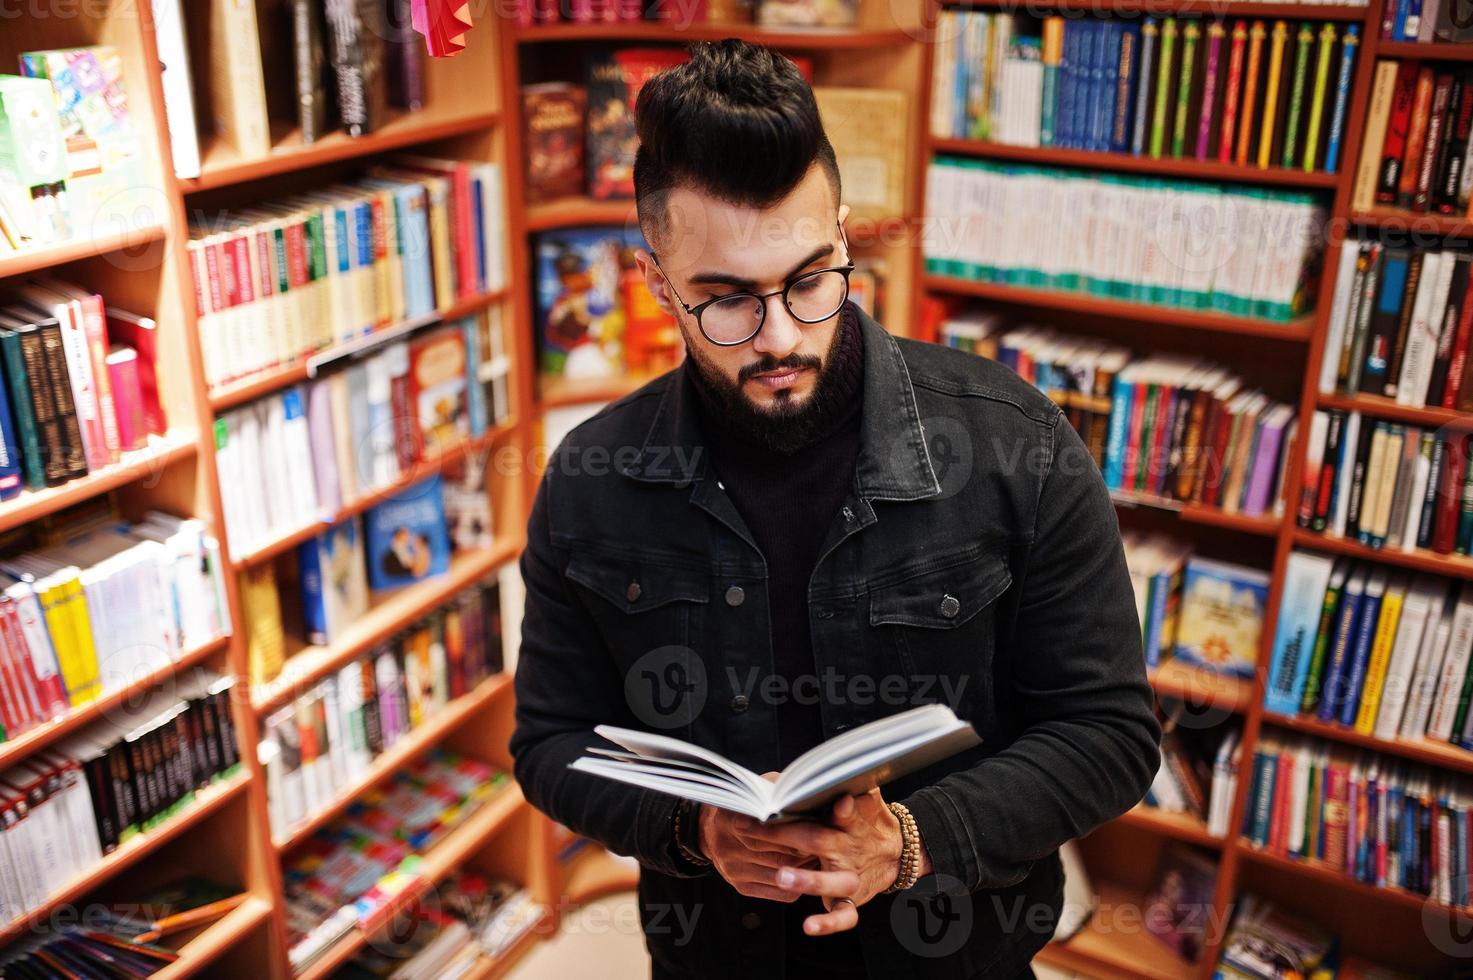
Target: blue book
{"x":405,"y":537}
{"x":479,"y":215}
{"x":1349,"y":45}
{"x":1149,"y":38}
{"x":1068,"y":82}
{"x":1411,"y":21}
{"x":1300,"y":610}
{"x":1460,"y":859}
{"x":1083,"y":61}
{"x":1399,"y":22}
{"x":1127,"y":34}
{"x":363,"y":252}
{"x":1094,"y":69}
{"x":334,"y":590}
{"x":1120,"y":398}
{"x":412,"y":224}
{"x":12,"y":475}
{"x":1266,"y":767}
{"x":1109,"y":82}
{"x":1345,"y":631}
{"x":1365,"y":635}
{"x":962,"y":80}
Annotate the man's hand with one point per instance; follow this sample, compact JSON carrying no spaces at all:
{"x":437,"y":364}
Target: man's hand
{"x":749,"y":864}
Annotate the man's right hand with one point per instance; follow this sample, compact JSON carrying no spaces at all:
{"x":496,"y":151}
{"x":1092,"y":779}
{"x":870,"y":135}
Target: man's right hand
{"x":747,"y":863}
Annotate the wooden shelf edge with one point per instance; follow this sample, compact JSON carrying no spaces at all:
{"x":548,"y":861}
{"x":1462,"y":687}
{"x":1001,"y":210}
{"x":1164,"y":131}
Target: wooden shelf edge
{"x":424,"y":469}
{"x":594,"y":873}
{"x":1420,"y":560}
{"x":409,"y":746}
{"x":1388,"y":408}
{"x":42,"y":735}
{"x":572,"y":211}
{"x":196,"y":955}
{"x":818,"y":38}
{"x":394,"y":613}
{"x":1294,"y":331}
{"x":45,"y":256}
{"x":435,"y":864}
{"x":1325,"y":873}
{"x":337,"y":146}
{"x":1184,"y":167}
{"x":1442,"y":755}
{"x":233,"y":393}
{"x":137,"y":465}
{"x":1181,"y":826}
{"x":1199,"y":687}
{"x":206,"y":801}
{"x":557,"y":392}
{"x":1264,"y":525}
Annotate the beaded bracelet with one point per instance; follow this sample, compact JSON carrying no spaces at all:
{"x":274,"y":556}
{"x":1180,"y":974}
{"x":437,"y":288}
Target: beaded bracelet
{"x":910,"y":849}
{"x":683,"y":813}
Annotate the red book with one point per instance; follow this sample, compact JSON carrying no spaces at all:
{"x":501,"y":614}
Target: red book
{"x":1449,"y":495}
{"x":1337,"y":817}
{"x":1283,"y":793}
{"x":51,"y":698}
{"x":122,"y":372}
{"x":1219,"y":456}
{"x":1388,"y":177}
{"x":1231,"y":93}
{"x":140,"y":334}
{"x":1411,"y":168}
{"x":1133,"y":435}
{"x":1458,"y":361}
{"x":1160,"y":432}
{"x":14,"y":711}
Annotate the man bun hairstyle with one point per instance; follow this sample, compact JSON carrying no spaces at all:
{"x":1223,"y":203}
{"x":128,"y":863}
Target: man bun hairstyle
{"x":737,"y":122}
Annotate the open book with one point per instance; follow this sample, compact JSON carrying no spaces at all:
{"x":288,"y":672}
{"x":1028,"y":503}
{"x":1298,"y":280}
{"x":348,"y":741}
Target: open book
{"x":854,"y":762}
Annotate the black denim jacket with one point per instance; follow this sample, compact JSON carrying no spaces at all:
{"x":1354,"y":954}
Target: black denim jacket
{"x":977,"y":561}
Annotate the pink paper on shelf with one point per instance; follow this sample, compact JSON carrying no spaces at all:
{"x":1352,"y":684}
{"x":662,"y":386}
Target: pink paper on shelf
{"x":443,"y":24}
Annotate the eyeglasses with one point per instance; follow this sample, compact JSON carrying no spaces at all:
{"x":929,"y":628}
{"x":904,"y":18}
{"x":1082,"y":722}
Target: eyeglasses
{"x":736,"y":318}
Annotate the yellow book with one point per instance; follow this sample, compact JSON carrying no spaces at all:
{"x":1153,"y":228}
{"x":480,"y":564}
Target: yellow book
{"x":265,"y":646}
{"x":1383,"y":90}
{"x":1280,"y":39}
{"x":51,"y":590}
{"x":82,"y":633}
{"x":1385,"y":639}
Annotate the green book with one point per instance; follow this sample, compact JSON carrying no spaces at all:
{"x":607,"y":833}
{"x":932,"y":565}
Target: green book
{"x":1163,"y":86}
{"x":1189,"y":33}
{"x":1310,"y":698}
{"x":16,"y":380}
{"x":1303,"y":41}
{"x":1462,"y":716}
{"x":1143,"y":451}
{"x":1317,"y":100}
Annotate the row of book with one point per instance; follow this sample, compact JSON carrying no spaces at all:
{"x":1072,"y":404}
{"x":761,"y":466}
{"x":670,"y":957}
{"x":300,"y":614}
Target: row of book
{"x":325,"y":741}
{"x":1424,"y":21}
{"x":468,"y":918}
{"x":107,"y":605}
{"x":769,"y":13}
{"x":1400,"y":322}
{"x":1165,"y":242}
{"x":1200,"y":611}
{"x":66,"y":806}
{"x":1415,"y":151}
{"x":349,"y":874}
{"x":80,"y":385}
{"x":1387,"y":484}
{"x":281,"y":281}
{"x":349,"y":64}
{"x":1382,"y":651}
{"x":71,"y":161}
{"x":298,"y":456}
{"x":1208,"y":90}
{"x":1267,"y":942}
{"x":1383,"y":821}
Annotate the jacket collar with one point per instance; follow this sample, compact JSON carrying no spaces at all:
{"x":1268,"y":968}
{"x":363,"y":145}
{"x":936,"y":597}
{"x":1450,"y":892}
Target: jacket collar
{"x":893,"y":462}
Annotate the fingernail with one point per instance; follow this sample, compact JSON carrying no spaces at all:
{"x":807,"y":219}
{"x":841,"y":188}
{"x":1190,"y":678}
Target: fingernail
{"x":785,"y":878}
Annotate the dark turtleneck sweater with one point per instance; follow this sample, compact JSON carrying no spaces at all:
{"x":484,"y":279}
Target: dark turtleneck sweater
{"x":788,"y":501}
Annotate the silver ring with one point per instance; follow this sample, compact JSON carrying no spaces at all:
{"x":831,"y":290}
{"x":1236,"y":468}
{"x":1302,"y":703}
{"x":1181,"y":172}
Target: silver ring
{"x":849,"y":900}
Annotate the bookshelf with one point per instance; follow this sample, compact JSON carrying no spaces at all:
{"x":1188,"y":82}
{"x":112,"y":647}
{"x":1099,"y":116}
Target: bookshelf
{"x":144,"y":267}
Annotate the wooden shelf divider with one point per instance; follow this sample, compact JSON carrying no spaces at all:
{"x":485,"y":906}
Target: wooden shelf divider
{"x":42,"y":257}
{"x":197,"y":955}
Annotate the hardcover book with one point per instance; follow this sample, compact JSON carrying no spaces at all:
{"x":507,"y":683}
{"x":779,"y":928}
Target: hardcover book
{"x":1221,"y":617}
{"x":334,"y":589}
{"x":614,"y":81}
{"x":406,"y":538}
{"x":554,"y":115}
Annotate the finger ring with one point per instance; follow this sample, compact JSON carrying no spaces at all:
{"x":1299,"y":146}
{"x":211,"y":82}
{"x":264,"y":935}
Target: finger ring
{"x":849,"y":900}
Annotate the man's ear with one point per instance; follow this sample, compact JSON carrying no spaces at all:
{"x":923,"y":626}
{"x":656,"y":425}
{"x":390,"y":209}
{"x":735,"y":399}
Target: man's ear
{"x":843,"y":215}
{"x":655,"y":282}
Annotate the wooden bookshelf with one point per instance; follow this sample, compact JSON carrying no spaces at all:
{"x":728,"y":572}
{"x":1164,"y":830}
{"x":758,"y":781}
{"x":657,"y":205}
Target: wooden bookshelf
{"x":42,"y":257}
{"x":796,"y":39}
{"x":1442,"y":755}
{"x":573,"y":211}
{"x":199,"y":953}
{"x":409,"y":747}
{"x":1418,"y":559}
{"x":1380,"y":407}
{"x":558,"y":392}
{"x":1265,"y":525}
{"x":1180,"y":826}
{"x":1206,"y":9}
{"x":1115,"y":944}
{"x":1199,"y":688}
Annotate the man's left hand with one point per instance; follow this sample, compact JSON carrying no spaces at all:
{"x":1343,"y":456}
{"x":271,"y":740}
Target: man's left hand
{"x":858,"y":852}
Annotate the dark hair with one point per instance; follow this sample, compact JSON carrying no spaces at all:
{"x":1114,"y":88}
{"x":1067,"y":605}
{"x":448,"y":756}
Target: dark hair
{"x":737,"y":122}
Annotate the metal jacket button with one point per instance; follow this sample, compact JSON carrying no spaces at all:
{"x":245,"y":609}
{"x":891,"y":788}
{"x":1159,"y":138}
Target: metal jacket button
{"x":739,"y":703}
{"x":632,"y":593}
{"x":735,"y":596}
{"x":950,"y":606}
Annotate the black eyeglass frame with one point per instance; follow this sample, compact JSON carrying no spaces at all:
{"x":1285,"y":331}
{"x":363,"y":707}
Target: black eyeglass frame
{"x":762,"y":298}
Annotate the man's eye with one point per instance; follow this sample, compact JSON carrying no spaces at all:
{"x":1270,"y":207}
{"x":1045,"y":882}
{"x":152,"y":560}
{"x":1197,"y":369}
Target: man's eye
{"x":804,"y":286}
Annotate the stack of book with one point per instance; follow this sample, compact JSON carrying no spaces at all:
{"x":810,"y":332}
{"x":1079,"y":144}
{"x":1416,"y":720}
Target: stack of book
{"x":1414,"y":154}
{"x":1399,"y":325}
{"x":1372,"y":648}
{"x":1160,"y":241}
{"x":1210,"y":90}
{"x":80,"y":384}
{"x":301,"y":455}
{"x":65,"y":807}
{"x":1384,"y":821}
{"x":70,"y":159}
{"x":1387,"y":484}
{"x":350,"y":874}
{"x":1266,"y":942}
{"x":325,"y":740}
{"x":92,"y":615}
{"x":1202,"y":612}
{"x":279,"y":282}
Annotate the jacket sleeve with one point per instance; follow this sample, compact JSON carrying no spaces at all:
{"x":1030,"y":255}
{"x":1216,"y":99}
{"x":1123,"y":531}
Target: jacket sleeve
{"x":566,"y":683}
{"x":1090,"y":743}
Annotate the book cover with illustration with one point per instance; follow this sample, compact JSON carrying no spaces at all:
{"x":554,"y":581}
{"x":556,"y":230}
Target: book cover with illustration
{"x":1221,"y":616}
{"x":554,"y":125}
{"x":581,"y":313}
{"x":405,"y":536}
{"x":334,"y":589}
{"x":437,"y":387}
{"x":614,"y":81}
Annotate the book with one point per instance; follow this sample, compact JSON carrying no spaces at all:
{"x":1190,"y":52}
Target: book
{"x":553,"y":113}
{"x":1222,"y":611}
{"x":614,"y":80}
{"x":355,"y":53}
{"x":853,"y":762}
{"x":236,"y":80}
{"x":405,"y":539}
{"x":334,"y":581}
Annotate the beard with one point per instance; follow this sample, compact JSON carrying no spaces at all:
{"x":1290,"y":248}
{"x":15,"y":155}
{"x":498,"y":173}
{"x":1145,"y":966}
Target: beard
{"x":788,"y":425}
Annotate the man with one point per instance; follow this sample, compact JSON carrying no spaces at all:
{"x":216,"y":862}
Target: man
{"x":808,"y":526}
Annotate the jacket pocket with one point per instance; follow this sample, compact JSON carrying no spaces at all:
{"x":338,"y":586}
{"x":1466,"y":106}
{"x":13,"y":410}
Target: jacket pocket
{"x":940,"y":620}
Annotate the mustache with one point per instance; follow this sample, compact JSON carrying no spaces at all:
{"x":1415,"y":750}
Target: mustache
{"x":770,"y":363}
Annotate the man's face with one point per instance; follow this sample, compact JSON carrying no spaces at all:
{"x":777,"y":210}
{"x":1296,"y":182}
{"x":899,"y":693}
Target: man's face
{"x":713,"y":249}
